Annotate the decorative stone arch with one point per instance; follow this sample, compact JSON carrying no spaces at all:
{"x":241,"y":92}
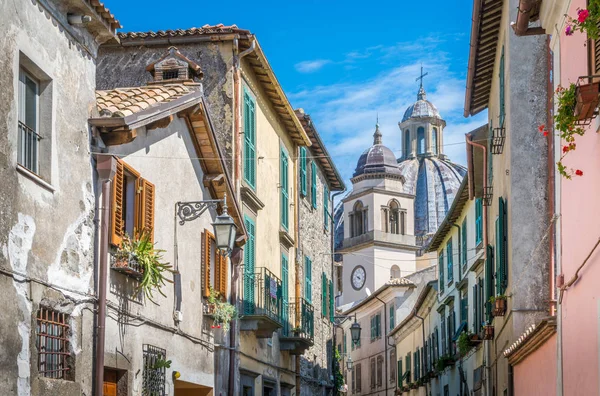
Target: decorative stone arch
{"x":395,"y":272}
{"x":393,"y":218}
{"x":359,"y":219}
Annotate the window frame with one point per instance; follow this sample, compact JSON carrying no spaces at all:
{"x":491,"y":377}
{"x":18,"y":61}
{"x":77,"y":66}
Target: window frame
{"x":478,"y":221}
{"x":313,"y":184}
{"x":303,"y":172}
{"x":284,"y":186}
{"x":250,"y":136}
{"x":35,"y":129}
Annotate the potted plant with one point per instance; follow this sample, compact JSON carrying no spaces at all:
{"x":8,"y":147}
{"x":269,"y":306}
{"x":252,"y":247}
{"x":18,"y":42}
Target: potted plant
{"x":586,"y":100}
{"x":221,"y":311}
{"x":124,"y":257}
{"x":586,"y":21}
{"x":488,"y":332}
{"x":464,"y":343}
{"x":499,"y":303}
{"x":443,"y":362}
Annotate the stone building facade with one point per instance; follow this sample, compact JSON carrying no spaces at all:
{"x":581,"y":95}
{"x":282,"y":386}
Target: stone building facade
{"x":47,"y":208}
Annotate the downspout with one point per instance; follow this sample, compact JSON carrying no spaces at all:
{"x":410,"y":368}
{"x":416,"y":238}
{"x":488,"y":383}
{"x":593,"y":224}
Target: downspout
{"x":385,"y":352}
{"x":332,"y":251}
{"x":488,"y":352}
{"x":237,"y":138}
{"x":521,"y":26}
{"x":297,"y":238}
{"x":423,"y":330}
{"x":106,"y":168}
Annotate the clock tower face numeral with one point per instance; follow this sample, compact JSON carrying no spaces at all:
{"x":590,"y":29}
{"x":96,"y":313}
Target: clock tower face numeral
{"x":358,"y":277}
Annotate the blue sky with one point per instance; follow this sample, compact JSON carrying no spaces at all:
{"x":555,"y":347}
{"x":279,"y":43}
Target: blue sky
{"x":345,"y":62}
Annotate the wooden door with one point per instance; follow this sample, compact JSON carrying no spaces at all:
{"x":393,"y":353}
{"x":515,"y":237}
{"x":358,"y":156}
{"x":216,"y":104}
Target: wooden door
{"x":110,"y":383}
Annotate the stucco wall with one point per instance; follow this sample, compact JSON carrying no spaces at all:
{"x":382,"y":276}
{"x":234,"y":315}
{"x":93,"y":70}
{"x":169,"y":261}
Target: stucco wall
{"x":534,"y":375}
{"x":46,"y":227}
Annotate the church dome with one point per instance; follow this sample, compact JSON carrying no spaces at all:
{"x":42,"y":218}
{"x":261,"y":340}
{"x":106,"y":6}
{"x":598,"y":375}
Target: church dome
{"x":377,"y":158}
{"x":434,"y":181}
{"x":422,"y":108}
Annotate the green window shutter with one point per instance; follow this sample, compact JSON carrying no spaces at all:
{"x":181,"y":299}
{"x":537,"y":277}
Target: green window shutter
{"x":502,"y":248}
{"x":331,"y":302}
{"x":323,"y":294}
{"x":392,"y":320}
{"x":284,"y":191}
{"x":313,"y":184}
{"x":372,"y":328}
{"x":407,"y":360}
{"x":378,"y":324}
{"x":344,"y":341}
{"x":307,"y":279}
{"x":441,"y":270}
{"x":400,"y":373}
{"x":303,"y":180}
{"x":502,"y":88}
{"x":463,"y":241}
{"x":478,"y":221}
{"x":489,"y":283}
{"x":326,"y":207}
{"x":476,"y":320}
{"x":285,"y":293}
{"x":450,"y":260}
{"x":464,"y":310}
{"x":249,"y":261}
{"x":249,"y":139}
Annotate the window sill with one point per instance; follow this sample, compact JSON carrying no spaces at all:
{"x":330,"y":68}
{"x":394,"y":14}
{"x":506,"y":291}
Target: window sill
{"x":285,"y":238}
{"x":35,"y":178}
{"x":251,"y":200}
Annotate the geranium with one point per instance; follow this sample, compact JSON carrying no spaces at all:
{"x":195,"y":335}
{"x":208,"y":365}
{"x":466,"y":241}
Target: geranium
{"x":579,"y":172}
{"x":586,"y":21}
{"x":582,"y":15}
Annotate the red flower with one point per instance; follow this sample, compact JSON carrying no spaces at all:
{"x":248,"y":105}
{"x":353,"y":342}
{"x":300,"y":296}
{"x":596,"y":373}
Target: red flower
{"x":582,"y":15}
{"x":545,"y":133}
{"x":565,"y":149}
{"x":579,"y":172}
{"x":541,"y":128}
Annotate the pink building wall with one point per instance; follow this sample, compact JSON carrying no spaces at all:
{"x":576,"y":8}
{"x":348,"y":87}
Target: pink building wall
{"x":580,"y":208}
{"x":534,"y":375}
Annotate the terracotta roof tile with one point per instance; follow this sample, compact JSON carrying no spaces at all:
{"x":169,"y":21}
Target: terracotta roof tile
{"x":105,"y":14}
{"x":206,"y":29}
{"x":120,"y":102}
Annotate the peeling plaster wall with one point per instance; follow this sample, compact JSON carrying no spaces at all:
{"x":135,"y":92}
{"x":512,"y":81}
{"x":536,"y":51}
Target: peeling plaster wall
{"x":46,"y":227}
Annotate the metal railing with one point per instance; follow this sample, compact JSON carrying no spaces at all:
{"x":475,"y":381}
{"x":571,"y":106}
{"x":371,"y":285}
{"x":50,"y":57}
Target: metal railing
{"x":28,"y":152}
{"x":300,"y":320}
{"x":262,"y":294}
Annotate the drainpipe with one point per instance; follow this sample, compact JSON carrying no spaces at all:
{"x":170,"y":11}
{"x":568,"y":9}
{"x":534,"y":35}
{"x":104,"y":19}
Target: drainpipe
{"x":237,"y":142}
{"x":332,"y":243}
{"x":386,"y":346}
{"x":459,"y":251}
{"x":423,"y":330}
{"x":521,"y":26}
{"x":106,"y":167}
{"x":487,"y":344}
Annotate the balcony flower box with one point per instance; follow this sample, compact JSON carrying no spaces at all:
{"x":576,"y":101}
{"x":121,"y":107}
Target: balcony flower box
{"x":587,"y":99}
{"x":499,"y":303}
{"x":127,"y":263}
{"x":488,"y":332}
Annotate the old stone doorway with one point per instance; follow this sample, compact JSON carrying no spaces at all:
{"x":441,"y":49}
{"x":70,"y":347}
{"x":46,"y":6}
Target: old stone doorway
{"x":183,"y":388}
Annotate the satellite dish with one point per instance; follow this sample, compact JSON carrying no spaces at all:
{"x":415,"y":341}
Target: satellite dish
{"x":368,"y":291}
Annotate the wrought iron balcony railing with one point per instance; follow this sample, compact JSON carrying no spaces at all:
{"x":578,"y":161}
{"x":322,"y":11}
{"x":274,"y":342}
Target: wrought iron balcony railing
{"x":299,"y":320}
{"x":262,"y":295}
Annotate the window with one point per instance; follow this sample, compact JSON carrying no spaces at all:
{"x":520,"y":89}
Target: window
{"x":132,"y":204}
{"x":303,"y":179}
{"x":249,"y":266}
{"x":372,"y":374}
{"x":313,"y":184}
{"x":54,"y":355}
{"x":421,"y":140}
{"x":443,"y":330}
{"x":478,"y":221}
{"x":395,"y":272}
{"x":308,"y":279}
{"x":400,"y":374}
{"x":153,"y":376}
{"x":464,"y":309}
{"x":215,"y":266}
{"x":326,"y":207}
{"x":594,"y":57}
{"x":285,"y":209}
{"x":392,"y":366}
{"x":406,"y":143}
{"x":375,"y":327}
{"x":501,"y":89}
{"x":358,"y":220}
{"x":450,"y":260}
{"x":379,"y":371}
{"x":29,"y":139}
{"x":172,"y":74}
{"x":441,"y":270}
{"x":358,"y":371}
{"x":434,"y":141}
{"x":249,"y":139}
{"x":463,"y":241}
{"x":478,"y":298}
{"x":501,"y":248}
{"x":393,"y":218}
{"x":392,"y":317}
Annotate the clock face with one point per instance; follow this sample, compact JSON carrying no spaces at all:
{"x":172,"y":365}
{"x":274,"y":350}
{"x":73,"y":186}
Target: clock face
{"x":358,"y":277}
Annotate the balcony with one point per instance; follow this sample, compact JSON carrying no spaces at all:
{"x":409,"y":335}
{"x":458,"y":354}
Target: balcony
{"x":298,"y":332}
{"x":261,"y":303}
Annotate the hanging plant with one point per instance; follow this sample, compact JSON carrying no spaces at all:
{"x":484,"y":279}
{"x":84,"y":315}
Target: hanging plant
{"x":565,"y":120}
{"x":586,"y":21}
{"x":464,"y":343}
{"x":221,"y":311}
{"x":338,"y":379}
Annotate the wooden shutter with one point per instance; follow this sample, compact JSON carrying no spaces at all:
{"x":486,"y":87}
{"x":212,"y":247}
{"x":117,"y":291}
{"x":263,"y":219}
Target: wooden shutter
{"x":358,"y":377}
{"x":145,"y":218}
{"x":331,"y":303}
{"x":207,"y":241}
{"x":407,"y":360}
{"x":594,"y":57}
{"x":249,"y":139}
{"x":117,"y":210}
{"x":222,"y":273}
{"x":313,"y":184}
{"x":501,"y":89}
{"x":303,"y":180}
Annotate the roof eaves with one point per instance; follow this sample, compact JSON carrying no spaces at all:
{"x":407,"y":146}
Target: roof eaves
{"x":431,"y":285}
{"x":377,"y":292}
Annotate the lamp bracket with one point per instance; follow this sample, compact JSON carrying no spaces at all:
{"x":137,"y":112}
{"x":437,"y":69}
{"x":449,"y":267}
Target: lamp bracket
{"x":188,"y":211}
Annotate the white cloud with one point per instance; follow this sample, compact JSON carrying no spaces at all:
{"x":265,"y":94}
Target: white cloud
{"x":311,"y":66}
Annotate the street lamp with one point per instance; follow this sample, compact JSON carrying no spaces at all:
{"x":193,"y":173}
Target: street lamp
{"x":349,"y":363}
{"x":224,"y":226}
{"x":355,"y":331}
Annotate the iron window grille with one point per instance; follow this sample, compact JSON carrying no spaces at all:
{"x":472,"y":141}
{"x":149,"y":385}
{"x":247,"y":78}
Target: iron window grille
{"x":171,"y":74}
{"x":154,"y":372}
{"x":488,"y":194}
{"x":498,"y":138}
{"x":53,"y":344}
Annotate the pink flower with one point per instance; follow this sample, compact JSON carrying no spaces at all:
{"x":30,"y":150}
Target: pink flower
{"x":579,"y":172}
{"x":582,"y":15}
{"x":569,"y":30}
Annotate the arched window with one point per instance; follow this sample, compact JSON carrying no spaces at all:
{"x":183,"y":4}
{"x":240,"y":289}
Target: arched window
{"x":420,"y":140}
{"x":394,"y":217}
{"x":395,"y":272}
{"x":406,"y":143}
{"x":434,"y":141}
{"x":358,"y":220}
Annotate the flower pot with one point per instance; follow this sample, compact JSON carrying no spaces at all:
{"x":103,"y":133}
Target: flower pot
{"x":499,"y":307}
{"x":587,"y":96}
{"x":121,"y":262}
{"x":488,"y":332}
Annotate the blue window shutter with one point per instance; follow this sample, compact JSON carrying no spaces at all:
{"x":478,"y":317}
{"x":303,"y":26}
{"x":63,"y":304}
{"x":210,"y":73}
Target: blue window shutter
{"x":463,"y":241}
{"x":284,"y":191}
{"x":450,"y":254}
{"x":249,"y":264}
{"x":331,"y":303}
{"x":303,"y":181}
{"x":313,"y":184}
{"x":326,"y":207}
{"x":249,"y":139}
{"x":441,"y":270}
{"x":285,"y":293}
{"x":308,"y":279}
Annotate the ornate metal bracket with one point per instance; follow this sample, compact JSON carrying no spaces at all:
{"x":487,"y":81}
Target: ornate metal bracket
{"x":188,"y":211}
